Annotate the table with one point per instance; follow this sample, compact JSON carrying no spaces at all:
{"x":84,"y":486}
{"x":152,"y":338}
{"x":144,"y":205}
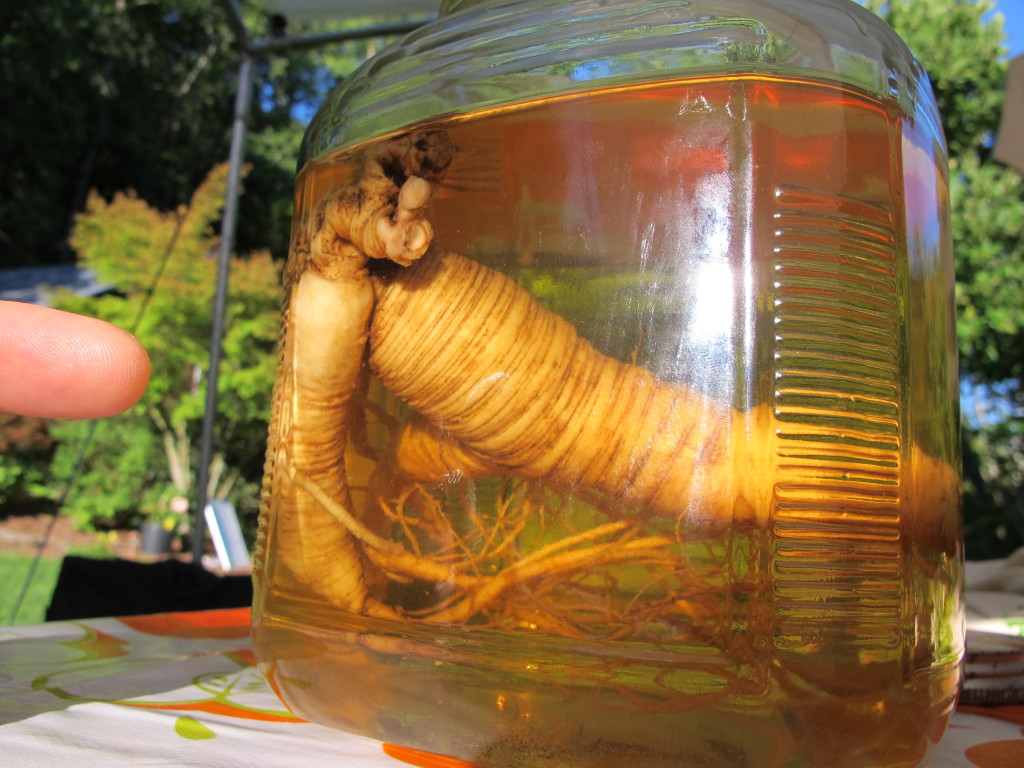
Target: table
{"x":181,"y":689}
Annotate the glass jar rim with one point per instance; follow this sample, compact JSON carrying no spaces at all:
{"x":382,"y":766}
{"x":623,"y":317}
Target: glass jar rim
{"x":494,"y":53}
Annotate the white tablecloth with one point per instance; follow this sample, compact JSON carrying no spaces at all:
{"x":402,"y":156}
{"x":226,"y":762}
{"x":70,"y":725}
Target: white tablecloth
{"x":181,"y":690}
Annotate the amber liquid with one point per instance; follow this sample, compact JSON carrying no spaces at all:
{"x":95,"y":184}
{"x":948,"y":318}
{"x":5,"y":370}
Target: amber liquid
{"x":771,"y":244}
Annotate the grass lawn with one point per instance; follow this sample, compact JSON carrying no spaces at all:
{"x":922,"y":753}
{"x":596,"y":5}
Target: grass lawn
{"x":14,"y":569}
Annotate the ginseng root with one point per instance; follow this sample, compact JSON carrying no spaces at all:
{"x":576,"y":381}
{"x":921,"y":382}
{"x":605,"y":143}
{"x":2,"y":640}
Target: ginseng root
{"x":523,"y":394}
{"x":327,"y":317}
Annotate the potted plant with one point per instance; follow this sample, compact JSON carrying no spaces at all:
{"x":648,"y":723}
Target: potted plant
{"x":161,"y":524}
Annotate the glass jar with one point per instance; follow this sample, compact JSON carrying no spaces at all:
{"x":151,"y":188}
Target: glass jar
{"x":616,"y":420}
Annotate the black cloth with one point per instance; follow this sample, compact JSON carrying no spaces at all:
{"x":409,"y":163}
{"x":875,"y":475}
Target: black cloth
{"x":88,"y":588}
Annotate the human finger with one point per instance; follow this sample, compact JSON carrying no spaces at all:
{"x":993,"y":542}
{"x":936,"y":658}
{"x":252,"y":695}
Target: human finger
{"x":56,"y":364}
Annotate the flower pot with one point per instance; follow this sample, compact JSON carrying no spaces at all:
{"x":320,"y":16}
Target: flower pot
{"x":154,"y":538}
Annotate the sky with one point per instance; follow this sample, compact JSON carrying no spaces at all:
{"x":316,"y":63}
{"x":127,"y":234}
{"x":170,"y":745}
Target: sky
{"x":1013,"y":24}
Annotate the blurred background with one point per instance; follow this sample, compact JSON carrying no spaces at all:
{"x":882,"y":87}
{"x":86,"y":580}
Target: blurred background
{"x":113,"y":171}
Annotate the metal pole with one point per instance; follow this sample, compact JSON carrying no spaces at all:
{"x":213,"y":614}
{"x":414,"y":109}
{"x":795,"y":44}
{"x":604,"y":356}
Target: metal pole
{"x":243,"y":106}
{"x":297,"y":43}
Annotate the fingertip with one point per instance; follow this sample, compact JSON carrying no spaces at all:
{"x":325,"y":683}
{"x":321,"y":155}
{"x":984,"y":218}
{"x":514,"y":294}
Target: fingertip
{"x":128,"y":372}
{"x":62,"y":365}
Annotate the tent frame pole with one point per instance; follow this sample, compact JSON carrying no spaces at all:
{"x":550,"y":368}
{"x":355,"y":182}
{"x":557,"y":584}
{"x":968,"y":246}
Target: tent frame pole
{"x":229,"y":227}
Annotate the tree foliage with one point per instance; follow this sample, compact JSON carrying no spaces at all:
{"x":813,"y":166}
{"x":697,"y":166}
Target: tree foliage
{"x":110,"y":94}
{"x":138,"y":94}
{"x":163,"y":269}
{"x":113,"y":95}
{"x":960,"y":44}
{"x":26,"y":450}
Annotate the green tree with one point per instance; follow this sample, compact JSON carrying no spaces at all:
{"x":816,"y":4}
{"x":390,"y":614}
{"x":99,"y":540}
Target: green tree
{"x":138,"y":94}
{"x":26,"y":450}
{"x":960,"y":44}
{"x":111,"y":95}
{"x":163,"y":269}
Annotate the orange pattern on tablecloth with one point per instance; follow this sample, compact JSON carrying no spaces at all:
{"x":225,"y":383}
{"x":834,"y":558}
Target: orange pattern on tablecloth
{"x":997,"y":754}
{"x":1011,"y":713}
{"x":423,"y":759}
{"x":245,"y":655}
{"x":97,"y":644}
{"x":268,"y":676}
{"x":215,"y":708}
{"x":223,"y":624}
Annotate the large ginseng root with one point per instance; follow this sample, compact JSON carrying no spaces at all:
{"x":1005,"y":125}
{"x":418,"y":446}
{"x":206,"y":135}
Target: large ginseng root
{"x":503,"y":386}
{"x":515,"y":385}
